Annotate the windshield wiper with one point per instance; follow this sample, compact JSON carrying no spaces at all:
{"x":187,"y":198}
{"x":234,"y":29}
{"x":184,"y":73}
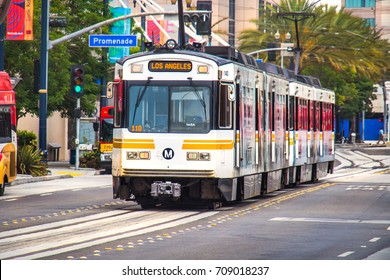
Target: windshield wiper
{"x":200,"y":98}
{"x":140,"y":96}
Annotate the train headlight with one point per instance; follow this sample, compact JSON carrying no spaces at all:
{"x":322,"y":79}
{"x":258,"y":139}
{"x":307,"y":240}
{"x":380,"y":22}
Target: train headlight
{"x":136,"y":68}
{"x":132,"y":155}
{"x":204,"y":156}
{"x":198,"y":156}
{"x":192,"y":156}
{"x":144,"y":155}
{"x":203,"y":69}
{"x":138,"y":155}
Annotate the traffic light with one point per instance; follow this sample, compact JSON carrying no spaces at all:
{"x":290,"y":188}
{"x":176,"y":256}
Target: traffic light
{"x":58,"y":21}
{"x":203,"y":23}
{"x":200,"y":20}
{"x":77,"y":80}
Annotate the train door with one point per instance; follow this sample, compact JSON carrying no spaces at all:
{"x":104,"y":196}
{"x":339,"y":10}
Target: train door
{"x":279,"y":124}
{"x":226,"y":115}
{"x":310,"y":133}
{"x":247,"y":129}
{"x":269,"y":156}
{"x":260,"y":122}
{"x":317,"y":119}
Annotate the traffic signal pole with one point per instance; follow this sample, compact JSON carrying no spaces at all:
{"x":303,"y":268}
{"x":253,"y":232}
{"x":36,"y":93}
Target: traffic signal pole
{"x":43,"y":78}
{"x":77,"y":155}
{"x":77,"y":89}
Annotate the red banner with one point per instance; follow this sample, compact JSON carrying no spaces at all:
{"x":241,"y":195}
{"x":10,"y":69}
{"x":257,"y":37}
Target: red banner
{"x":20,"y":20}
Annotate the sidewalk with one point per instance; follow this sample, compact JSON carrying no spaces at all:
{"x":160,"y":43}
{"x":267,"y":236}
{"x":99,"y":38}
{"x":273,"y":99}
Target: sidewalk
{"x":57,"y":170}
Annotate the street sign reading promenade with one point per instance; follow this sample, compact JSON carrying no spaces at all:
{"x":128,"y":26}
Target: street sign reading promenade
{"x":109,"y":41}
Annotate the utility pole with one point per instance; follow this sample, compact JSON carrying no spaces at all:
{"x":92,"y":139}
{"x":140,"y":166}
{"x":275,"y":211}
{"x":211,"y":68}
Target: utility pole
{"x":103,"y":97}
{"x":182,"y":36}
{"x":296,"y":17}
{"x":385,"y":108}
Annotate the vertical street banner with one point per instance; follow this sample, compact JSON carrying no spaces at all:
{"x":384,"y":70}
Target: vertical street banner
{"x":154,"y":32}
{"x":122,"y":27}
{"x":20,"y":20}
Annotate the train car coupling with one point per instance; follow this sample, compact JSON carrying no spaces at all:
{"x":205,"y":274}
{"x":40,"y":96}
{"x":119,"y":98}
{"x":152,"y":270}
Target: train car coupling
{"x":167,"y":188}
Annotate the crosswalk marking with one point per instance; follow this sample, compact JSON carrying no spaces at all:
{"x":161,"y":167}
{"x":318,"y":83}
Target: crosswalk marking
{"x":345,"y":254}
{"x":60,"y":237}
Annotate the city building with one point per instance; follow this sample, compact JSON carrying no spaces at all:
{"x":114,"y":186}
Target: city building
{"x":229,"y":19}
{"x":376,"y":12}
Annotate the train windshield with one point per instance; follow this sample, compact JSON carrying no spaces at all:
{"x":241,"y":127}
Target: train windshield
{"x":5,"y":124}
{"x":169,"y":109}
{"x":107,"y":130}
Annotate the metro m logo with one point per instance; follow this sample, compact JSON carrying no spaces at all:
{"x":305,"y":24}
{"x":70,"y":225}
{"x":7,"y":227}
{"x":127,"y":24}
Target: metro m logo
{"x":168,"y":153}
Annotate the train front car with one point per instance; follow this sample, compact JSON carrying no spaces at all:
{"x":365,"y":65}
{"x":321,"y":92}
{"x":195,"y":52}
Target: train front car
{"x":206,"y":128}
{"x":166,"y":147}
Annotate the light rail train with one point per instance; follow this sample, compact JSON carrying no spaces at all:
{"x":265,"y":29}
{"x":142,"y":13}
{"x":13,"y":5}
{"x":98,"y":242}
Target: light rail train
{"x":214,"y":126}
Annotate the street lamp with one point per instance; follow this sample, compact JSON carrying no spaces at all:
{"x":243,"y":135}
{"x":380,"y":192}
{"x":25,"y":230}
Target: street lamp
{"x":288,"y":47}
{"x":277,"y":36}
{"x":188,"y":2}
{"x":296,"y":17}
{"x":288,"y":36}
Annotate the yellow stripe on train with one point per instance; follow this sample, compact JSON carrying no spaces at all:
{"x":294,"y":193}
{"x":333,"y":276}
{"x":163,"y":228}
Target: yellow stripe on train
{"x":133,"y":143}
{"x":208,"y":145}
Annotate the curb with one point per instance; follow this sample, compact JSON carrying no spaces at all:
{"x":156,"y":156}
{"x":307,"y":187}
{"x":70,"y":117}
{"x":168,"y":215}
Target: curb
{"x":26,"y":179}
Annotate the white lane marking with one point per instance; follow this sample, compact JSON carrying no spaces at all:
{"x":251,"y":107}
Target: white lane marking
{"x":12,"y":199}
{"x":388,"y":228}
{"x":59,"y":224}
{"x":76,"y":190}
{"x":345,"y":254}
{"x":46,"y":194}
{"x":375,"y":239}
{"x":124,"y":235}
{"x":319,"y":220}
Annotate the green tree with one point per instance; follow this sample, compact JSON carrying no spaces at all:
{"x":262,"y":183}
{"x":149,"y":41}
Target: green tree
{"x":20,"y":56}
{"x":342,"y":50}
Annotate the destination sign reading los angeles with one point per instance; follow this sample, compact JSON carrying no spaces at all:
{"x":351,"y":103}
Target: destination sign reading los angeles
{"x":170,"y":66}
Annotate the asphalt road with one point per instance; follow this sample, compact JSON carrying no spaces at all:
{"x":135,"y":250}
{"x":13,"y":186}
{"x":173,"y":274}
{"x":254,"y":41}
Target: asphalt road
{"x":345,"y":216}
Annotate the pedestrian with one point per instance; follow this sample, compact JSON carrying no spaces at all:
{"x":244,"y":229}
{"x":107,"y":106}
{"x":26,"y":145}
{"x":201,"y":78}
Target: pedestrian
{"x":381,"y":136}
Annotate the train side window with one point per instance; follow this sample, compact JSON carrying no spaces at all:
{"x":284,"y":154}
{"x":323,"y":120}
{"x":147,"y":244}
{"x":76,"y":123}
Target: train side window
{"x":291,"y":112}
{"x":225,"y":108}
{"x":333,"y":116}
{"x":311,"y":116}
{"x":318,"y":117}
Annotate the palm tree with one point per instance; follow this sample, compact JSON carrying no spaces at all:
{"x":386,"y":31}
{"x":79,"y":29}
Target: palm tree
{"x":331,"y":37}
